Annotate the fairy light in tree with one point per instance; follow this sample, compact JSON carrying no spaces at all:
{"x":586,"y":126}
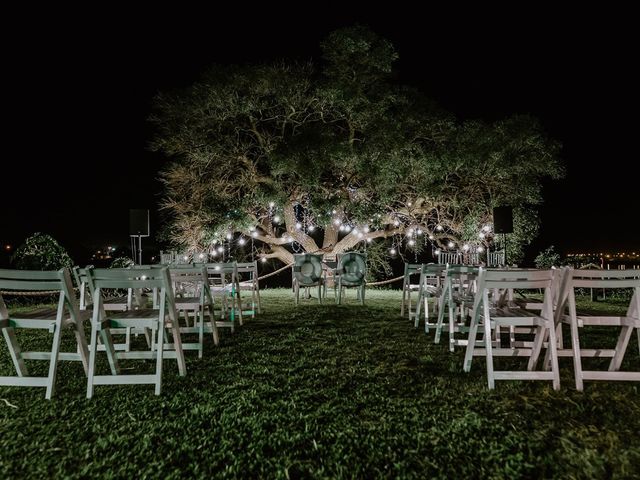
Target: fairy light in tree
{"x":229,"y":236}
{"x":185,"y":258}
{"x":254,"y":234}
{"x":369,"y":240}
{"x":411,"y":242}
{"x":396,"y":223}
{"x":220,"y":249}
{"x":334,"y":211}
{"x":272,"y":204}
{"x":410,"y":232}
{"x":480,"y":249}
{"x":263,"y":259}
{"x":242,"y":241}
{"x":481,"y":235}
{"x":311,"y":228}
{"x":438,"y":251}
{"x":451,"y":245}
{"x":439,"y":228}
{"x":486,"y":228}
{"x":201,"y":256}
{"x":298,"y":225}
{"x":466,"y":247}
{"x":337,"y":221}
{"x":214,"y":253}
{"x":419,"y":231}
{"x":431,"y":237}
{"x":276,"y":219}
{"x":393,"y":251}
{"x":366,"y":229}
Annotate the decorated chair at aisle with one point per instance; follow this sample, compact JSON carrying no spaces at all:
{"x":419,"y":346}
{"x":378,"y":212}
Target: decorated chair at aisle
{"x":308,"y":272}
{"x":224,"y":283}
{"x":66,"y":315}
{"x":248,"y":282}
{"x":568,"y":313}
{"x":351,"y":272}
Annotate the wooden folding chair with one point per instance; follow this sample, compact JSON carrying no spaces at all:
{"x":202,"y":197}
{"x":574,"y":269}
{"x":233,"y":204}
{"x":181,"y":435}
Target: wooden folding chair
{"x":567,"y":313}
{"x":66,"y":315}
{"x":155,"y":320}
{"x":457,"y":296}
{"x":491,"y":317}
{"x":410,"y":270}
{"x":224,"y":285}
{"x":250,"y":270}
{"x":194,"y":298}
{"x":430,"y":288}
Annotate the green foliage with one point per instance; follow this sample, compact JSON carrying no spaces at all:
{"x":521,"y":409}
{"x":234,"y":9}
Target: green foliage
{"x":122,"y":262}
{"x":339,"y":136}
{"x":320,"y":392}
{"x":41,"y":252}
{"x":548,"y":258}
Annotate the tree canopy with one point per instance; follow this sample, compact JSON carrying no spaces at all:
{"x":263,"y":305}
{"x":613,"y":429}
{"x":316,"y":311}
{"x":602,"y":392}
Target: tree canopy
{"x":301,"y":157}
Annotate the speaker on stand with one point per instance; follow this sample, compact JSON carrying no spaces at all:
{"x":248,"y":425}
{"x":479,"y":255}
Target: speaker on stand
{"x":503,"y":223}
{"x":138,"y":227}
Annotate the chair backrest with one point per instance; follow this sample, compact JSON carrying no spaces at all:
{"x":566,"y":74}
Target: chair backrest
{"x":80,"y":276}
{"x":191,"y":279}
{"x":495,"y":259}
{"x":449,"y":257}
{"x":353,"y":267}
{"x":251,"y":268}
{"x":183,"y":258}
{"x":522,"y":279}
{"x":411,"y":269}
{"x":57,"y":281}
{"x":167,"y":258}
{"x":132,"y":278}
{"x":307,"y":268}
{"x":469,"y":258}
{"x":609,"y":279}
{"x":217,"y":273}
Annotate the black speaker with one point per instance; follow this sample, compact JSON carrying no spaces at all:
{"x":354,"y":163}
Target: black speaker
{"x":139,"y":222}
{"x":503,"y":220}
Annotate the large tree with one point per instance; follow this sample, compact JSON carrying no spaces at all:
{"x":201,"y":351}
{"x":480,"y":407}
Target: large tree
{"x":322,"y":160}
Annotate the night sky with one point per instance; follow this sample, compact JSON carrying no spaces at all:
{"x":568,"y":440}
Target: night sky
{"x":77,"y":98}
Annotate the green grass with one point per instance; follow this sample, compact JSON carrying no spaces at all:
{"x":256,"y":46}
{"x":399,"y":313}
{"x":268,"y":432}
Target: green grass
{"x":322,"y":392}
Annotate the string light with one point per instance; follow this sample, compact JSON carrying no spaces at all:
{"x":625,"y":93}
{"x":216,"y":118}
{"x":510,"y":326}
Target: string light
{"x":229,"y":236}
{"x":396,"y":223}
{"x":220,"y":249}
{"x":254,"y":234}
{"x":419,"y":231}
{"x":438,"y":251}
{"x":298,"y":225}
{"x":486,"y":228}
{"x":481,"y":235}
{"x":451,"y":245}
{"x":263,"y":259}
{"x":431,"y":237}
{"x":439,"y":228}
{"x":412,"y":242}
{"x":272,"y":204}
{"x":276,"y":219}
{"x":393,"y":251}
{"x":311,"y":228}
{"x":242,"y":241}
{"x":480,"y":249}
{"x":466,"y":247}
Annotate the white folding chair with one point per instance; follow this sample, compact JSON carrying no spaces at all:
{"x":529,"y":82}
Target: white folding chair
{"x":496,"y":259}
{"x":194,"y":298}
{"x":410,"y":270}
{"x":430,"y":288}
{"x":609,"y":279}
{"x":491,"y":317}
{"x":154,"y":320}
{"x":451,"y":258}
{"x":224,"y":285}
{"x":250,"y":270}
{"x":53,"y":320}
{"x":457,"y":296}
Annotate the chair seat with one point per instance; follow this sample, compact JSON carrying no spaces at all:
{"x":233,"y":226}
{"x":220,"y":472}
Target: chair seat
{"x":134,"y":314}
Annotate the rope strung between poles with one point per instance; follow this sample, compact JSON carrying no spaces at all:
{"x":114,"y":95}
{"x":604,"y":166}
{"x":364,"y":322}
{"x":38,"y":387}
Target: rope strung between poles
{"x":30,"y":294}
{"x":384,"y":282}
{"x":274,"y":273}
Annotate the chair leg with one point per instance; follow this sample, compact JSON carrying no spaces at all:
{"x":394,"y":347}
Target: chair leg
{"x":15,"y":352}
{"x":53,"y":362}
{"x":487,"y":342}
{"x":621,"y":348}
{"x":92,"y":359}
{"x":362,"y":294}
{"x":159,"y":357}
{"x":471,"y":342}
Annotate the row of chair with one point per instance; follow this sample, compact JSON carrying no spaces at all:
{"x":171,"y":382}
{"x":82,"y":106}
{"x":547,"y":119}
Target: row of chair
{"x":488,"y":306}
{"x":161,"y":303}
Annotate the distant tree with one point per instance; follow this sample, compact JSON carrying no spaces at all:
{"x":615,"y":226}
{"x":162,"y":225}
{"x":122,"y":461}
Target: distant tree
{"x":325,"y":160}
{"x":41,"y":252}
{"x":548,"y":258}
{"x":122,"y":262}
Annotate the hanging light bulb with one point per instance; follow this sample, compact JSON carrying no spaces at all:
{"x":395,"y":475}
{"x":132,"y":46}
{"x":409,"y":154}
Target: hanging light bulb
{"x":412,"y":242}
{"x":220,"y":249}
{"x":272,"y":204}
{"x":439,"y":228}
{"x":465,"y":247}
{"x":431,"y":237}
{"x":486,"y":228}
{"x":396,"y":223}
{"x":263,"y":259}
{"x":254,"y":234}
{"x":229,"y":236}
{"x":419,"y":231}
{"x":393,"y":251}
{"x":334,"y":211}
{"x":451,"y":245}
{"x":298,"y":225}
{"x":214,"y":253}
{"x":409,"y":204}
{"x":437,"y":252}
{"x":242,"y":241}
{"x":337,"y":221}
{"x":481,"y":235}
{"x":480,"y":249}
{"x":185,"y":258}
{"x":369,"y":240}
{"x":366,"y":229}
{"x":251,"y":229}
{"x":276,"y":219}
{"x":410,"y":232}
{"x":311,"y":228}
{"x":201,"y":256}
{"x":347,"y":228}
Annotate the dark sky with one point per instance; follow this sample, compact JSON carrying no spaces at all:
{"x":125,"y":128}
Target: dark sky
{"x":77,"y":95}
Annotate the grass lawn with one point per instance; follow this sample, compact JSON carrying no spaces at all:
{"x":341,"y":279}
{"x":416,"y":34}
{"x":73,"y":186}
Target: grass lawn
{"x":321,"y":392}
